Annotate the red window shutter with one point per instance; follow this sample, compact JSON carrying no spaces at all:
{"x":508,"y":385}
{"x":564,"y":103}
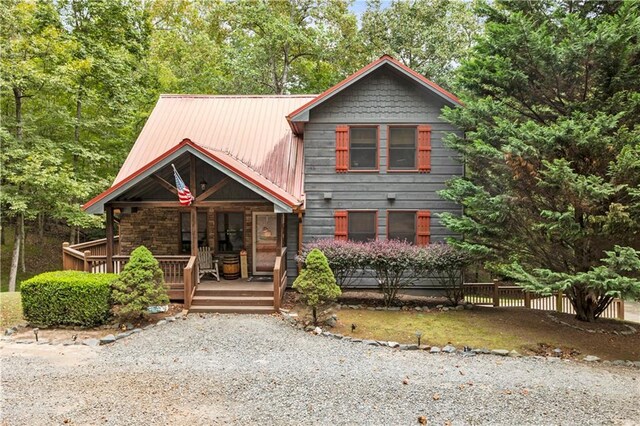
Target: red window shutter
{"x":424,"y":227}
{"x":424,"y":149}
{"x":341,"y":225}
{"x":342,"y":149}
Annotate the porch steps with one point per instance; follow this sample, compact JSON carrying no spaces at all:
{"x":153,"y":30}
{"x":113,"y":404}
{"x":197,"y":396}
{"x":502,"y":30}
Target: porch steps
{"x":234,"y":297}
{"x":232,"y":309}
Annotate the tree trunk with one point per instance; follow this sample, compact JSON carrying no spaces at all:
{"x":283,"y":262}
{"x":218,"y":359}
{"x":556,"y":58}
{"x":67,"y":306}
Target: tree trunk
{"x":41,"y":225}
{"x":76,"y":129}
{"x":584,"y":304}
{"x":13,"y":273}
{"x":315,"y":316}
{"x":17,"y":95}
{"x":23,"y":245}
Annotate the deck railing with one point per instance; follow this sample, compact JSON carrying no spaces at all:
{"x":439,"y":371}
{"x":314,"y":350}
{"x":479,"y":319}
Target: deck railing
{"x":190,"y":280}
{"x":93,"y":259}
{"x":499,"y":294}
{"x":279,"y":278}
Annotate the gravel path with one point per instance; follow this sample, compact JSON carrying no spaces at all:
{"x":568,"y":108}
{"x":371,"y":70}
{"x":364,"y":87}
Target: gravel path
{"x":259,"y":370}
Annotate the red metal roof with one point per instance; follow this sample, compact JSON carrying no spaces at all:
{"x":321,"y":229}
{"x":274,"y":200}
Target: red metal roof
{"x":248,"y":131}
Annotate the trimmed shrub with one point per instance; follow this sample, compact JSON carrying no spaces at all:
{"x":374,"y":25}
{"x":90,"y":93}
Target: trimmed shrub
{"x":346,"y":258}
{"x":394,"y":264}
{"x":67,"y":298}
{"x":139,"y":285}
{"x":445,"y":264}
{"x":316,"y":282}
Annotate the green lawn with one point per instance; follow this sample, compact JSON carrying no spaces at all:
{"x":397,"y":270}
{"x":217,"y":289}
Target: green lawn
{"x":10,"y":309}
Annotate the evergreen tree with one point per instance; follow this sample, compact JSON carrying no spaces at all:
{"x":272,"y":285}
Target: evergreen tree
{"x":552,"y":119}
{"x":316,"y":282}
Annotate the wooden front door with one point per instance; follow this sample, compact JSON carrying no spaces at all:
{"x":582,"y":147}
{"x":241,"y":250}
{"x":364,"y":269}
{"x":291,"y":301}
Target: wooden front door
{"x":264,"y":242}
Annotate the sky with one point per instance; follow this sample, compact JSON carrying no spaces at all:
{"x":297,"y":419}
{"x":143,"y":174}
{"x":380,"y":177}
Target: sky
{"x":359,"y":6}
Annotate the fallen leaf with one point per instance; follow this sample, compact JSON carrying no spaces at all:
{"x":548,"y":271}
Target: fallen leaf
{"x":436,"y":396}
{"x":461,"y":373}
{"x":405,"y":381}
{"x":422,"y":420}
{"x":447,"y":423}
{"x":508,"y":392}
{"x":525,"y":392}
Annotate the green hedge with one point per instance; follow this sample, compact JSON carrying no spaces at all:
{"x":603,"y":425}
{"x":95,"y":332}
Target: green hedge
{"x":67,"y":298}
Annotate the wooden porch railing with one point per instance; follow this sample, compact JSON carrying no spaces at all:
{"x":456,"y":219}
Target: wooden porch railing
{"x":498,"y":294}
{"x":279,"y":278}
{"x":98,"y":247}
{"x":174,"y":267}
{"x":190,"y":280}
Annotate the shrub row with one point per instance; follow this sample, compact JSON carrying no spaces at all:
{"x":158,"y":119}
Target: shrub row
{"x":394,"y":264}
{"x":67,"y":298}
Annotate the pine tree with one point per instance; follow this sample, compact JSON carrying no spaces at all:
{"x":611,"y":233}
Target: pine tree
{"x":552,"y":119}
{"x":316,"y":282}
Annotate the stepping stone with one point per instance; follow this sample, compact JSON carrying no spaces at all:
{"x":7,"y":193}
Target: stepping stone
{"x":501,"y":352}
{"x":109,"y":338}
{"x":449,"y":349}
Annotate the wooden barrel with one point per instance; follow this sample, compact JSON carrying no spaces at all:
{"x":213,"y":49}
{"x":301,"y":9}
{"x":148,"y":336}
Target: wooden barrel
{"x":231,"y":267}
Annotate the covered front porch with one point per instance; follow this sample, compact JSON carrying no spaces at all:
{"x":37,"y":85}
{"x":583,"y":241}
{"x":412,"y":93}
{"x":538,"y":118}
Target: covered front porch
{"x":238,"y":222}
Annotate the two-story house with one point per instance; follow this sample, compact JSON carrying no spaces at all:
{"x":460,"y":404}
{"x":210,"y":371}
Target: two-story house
{"x":363,"y":160}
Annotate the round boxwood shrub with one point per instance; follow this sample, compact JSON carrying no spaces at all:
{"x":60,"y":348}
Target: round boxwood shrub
{"x":67,"y":298}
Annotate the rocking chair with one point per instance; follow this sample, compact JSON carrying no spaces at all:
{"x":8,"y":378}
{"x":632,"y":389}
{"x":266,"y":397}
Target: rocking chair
{"x":207,"y":264}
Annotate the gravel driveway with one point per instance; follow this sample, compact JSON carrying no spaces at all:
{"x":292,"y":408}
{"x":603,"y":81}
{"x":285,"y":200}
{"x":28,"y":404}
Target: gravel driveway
{"x":259,"y":370}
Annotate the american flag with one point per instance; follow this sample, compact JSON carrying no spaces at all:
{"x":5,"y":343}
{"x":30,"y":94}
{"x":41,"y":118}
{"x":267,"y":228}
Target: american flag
{"x":184,"y":195}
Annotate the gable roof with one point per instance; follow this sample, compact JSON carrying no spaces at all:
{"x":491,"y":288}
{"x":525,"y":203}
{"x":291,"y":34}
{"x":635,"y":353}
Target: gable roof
{"x":248,"y":134}
{"x":301,"y":114}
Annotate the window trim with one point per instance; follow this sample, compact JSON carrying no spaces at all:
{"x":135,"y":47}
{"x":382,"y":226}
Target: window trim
{"x":415,"y":167}
{"x":375,"y":221}
{"x":369,"y":126}
{"x":415,"y":222}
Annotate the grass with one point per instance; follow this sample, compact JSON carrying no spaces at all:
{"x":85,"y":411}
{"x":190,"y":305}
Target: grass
{"x":10,"y":309}
{"x":525,"y":330}
{"x":456,"y":328}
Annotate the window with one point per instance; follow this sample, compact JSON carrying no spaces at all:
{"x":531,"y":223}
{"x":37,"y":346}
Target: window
{"x":401,"y":226}
{"x":402,"y":148}
{"x":361,"y":226}
{"x":185,"y":231}
{"x":230,"y":232}
{"x":363,"y":148}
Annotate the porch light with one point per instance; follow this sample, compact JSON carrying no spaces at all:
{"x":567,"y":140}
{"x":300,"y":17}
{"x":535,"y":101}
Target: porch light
{"x":203,"y":184}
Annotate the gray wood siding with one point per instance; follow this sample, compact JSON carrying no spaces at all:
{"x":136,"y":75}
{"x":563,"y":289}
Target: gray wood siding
{"x":383,"y":99}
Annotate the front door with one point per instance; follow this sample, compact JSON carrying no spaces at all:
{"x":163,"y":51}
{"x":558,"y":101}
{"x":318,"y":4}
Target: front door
{"x":265,"y":245}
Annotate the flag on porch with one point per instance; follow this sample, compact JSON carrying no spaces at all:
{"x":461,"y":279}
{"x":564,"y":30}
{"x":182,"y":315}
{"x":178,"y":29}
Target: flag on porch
{"x":184,"y":195}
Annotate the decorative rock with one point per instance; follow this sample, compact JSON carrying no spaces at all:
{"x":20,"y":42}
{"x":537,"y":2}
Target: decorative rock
{"x":309,"y":328}
{"x":434,"y":350}
{"x":356,"y":340}
{"x":618,"y":362}
{"x":326,"y":333}
{"x":337,"y":336}
{"x":439,"y":306}
{"x":424,"y":347}
{"x":459,"y":308}
{"x":468,"y":306}
{"x":591,"y":358}
{"x":411,"y":347}
{"x":9,"y":331}
{"x":129,"y":326}
{"x":470,"y":353}
{"x":393,"y":344}
{"x":449,"y":349}
{"x":148,"y":326}
{"x":501,"y":352}
{"x":417,"y":308}
{"x":393,"y":308}
{"x":161,"y":322}
{"x":379,"y":308}
{"x":445,"y":309}
{"x":292,"y":315}
{"x":331,"y":322}
{"x":371,"y":308}
{"x":370,"y":342}
{"x":514,"y":354}
{"x":68,"y":343}
{"x":91,"y":342}
{"x":136,"y":330}
{"x":42,"y":342}
{"x":405,"y":308}
{"x":317,"y":330}
{"x":109,"y":338}
{"x":123,"y":335}
{"x":557,"y":351}
{"x":169,"y":319}
{"x":24,"y":342}
{"x":484,"y":351}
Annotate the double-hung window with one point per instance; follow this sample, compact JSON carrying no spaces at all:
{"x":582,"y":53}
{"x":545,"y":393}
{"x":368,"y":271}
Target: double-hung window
{"x":402,"y":148}
{"x":411,"y":226}
{"x":356,"y":225}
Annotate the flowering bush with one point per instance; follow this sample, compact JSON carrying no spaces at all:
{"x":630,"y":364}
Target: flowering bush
{"x":346,"y":258}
